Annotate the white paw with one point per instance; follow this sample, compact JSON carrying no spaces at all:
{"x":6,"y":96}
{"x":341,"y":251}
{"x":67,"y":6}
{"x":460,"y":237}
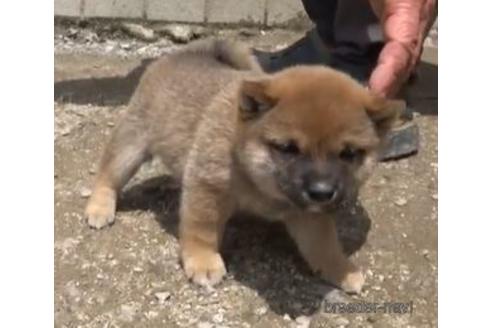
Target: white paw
{"x":353,"y":282}
{"x":100,"y":213}
{"x":206,"y":269}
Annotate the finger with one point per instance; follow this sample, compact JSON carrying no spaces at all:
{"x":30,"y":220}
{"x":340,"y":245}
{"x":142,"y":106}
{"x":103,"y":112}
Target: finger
{"x":402,"y":21}
{"x":392,"y":69}
{"x":405,"y":24}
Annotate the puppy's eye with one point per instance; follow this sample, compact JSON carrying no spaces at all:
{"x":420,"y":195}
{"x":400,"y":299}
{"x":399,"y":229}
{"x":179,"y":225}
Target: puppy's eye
{"x":351,"y":154}
{"x":287,"y":147}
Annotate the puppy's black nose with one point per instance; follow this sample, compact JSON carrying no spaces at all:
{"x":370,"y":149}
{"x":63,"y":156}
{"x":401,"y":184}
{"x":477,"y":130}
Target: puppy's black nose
{"x":321,"y":191}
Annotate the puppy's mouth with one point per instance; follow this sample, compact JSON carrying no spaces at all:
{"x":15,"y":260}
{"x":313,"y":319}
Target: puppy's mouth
{"x":303,"y":204}
{"x":315,"y":208}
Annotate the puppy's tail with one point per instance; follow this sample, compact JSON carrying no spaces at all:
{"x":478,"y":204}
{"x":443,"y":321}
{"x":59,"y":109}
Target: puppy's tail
{"x":236,"y":55}
{"x":231,"y":53}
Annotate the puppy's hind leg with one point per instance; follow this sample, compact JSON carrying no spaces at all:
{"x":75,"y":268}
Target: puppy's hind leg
{"x":124,"y":154}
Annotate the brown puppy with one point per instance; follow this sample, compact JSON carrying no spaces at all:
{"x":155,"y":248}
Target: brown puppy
{"x":291,"y":146}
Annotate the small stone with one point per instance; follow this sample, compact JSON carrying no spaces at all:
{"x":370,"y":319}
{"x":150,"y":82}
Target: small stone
{"x":100,"y":276}
{"x":139,"y":31}
{"x":65,"y":132}
{"x":85,"y":192}
{"x":204,"y":325}
{"x":128,"y":312}
{"x":142,"y":50}
{"x":218,"y":318}
{"x":67,"y":245}
{"x":109,"y":48}
{"x":72,"y":32}
{"x":81,"y":316}
{"x":404,"y":269}
{"x":381,"y":278}
{"x":247,"y":32}
{"x":151,"y":314}
{"x":125,"y":46}
{"x":261,"y":311}
{"x":400,"y":201}
{"x":110,"y":124}
{"x":162,"y":296}
{"x":72,"y":290}
{"x":303,"y":321}
{"x":341,"y":322}
{"x":434,"y":196}
{"x":177,"y":32}
{"x":335,"y":296}
{"x":199,"y":31}
{"x":287,"y":317}
{"x":91,"y":37}
{"x":138,"y":269}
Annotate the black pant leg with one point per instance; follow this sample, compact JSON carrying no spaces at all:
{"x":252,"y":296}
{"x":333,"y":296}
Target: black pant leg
{"x":322,"y":13}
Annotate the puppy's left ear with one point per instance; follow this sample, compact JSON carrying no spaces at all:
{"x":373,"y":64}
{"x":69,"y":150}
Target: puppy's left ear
{"x":384,"y":112}
{"x":254,"y":98}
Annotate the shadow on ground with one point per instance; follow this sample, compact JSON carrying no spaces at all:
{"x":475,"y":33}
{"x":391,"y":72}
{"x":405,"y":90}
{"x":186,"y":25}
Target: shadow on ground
{"x":117,"y":90}
{"x":111,"y":90}
{"x":258,"y":254}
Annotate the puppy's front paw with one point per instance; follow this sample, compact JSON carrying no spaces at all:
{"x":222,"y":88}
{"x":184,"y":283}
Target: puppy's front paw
{"x":205,"y":269}
{"x":353,"y":282}
{"x":346,"y":276}
{"x":100,"y":211}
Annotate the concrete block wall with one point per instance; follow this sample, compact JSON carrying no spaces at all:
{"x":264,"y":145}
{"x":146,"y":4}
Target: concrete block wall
{"x":189,"y":11}
{"x":68,"y":8}
{"x":233,"y":11}
{"x":113,"y":8}
{"x":253,"y":12}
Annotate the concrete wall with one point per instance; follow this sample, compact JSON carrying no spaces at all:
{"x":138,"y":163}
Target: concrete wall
{"x":256,"y":12}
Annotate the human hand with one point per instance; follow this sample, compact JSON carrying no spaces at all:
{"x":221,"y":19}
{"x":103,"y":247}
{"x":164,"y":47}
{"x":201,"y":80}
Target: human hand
{"x":405,"y":24}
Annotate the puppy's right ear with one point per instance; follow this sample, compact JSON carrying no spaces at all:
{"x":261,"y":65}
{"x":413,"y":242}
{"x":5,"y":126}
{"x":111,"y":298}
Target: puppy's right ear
{"x":254,"y":99}
{"x":384,"y":112}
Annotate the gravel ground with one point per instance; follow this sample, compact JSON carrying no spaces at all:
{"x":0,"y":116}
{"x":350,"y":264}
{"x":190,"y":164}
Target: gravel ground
{"x":128,"y":275}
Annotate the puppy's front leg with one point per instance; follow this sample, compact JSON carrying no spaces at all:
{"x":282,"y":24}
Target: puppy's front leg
{"x":204,"y":212}
{"x":317,"y":241}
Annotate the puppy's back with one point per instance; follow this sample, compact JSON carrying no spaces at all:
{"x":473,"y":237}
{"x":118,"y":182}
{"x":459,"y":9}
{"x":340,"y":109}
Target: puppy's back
{"x":175,"y":91}
{"x":193,"y":75}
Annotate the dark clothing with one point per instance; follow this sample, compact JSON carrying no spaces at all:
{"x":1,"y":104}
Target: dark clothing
{"x":345,"y":21}
{"x":352,"y":31}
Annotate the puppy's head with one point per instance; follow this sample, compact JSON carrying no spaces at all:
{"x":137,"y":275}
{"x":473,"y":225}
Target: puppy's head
{"x":309,"y":135}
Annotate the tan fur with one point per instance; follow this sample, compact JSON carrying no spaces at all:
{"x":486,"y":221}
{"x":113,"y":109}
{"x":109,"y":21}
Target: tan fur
{"x":192,"y":110}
